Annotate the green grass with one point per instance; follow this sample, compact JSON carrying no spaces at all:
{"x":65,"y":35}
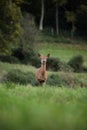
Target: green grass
{"x":63,"y":51}
{"x":5,"y":67}
{"x":36,"y":108}
{"x":48,"y":108}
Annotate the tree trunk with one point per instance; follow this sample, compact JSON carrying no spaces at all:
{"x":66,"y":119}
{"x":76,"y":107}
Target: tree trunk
{"x":42,"y":15}
{"x":73,"y":30}
{"x":57,"y":20}
{"x":10,"y":3}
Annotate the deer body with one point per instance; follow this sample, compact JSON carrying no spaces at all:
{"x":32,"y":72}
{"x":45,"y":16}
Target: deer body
{"x":41,"y":74}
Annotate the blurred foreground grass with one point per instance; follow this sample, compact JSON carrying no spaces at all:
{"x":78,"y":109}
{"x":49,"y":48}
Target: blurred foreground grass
{"x":36,"y":108}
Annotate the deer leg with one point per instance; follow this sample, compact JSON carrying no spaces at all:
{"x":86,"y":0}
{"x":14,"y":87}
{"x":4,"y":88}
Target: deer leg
{"x":41,"y":83}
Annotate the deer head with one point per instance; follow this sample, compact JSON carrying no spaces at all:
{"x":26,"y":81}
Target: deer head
{"x":43,"y":58}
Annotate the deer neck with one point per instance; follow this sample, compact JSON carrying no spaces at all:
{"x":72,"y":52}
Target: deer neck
{"x":43,"y":67}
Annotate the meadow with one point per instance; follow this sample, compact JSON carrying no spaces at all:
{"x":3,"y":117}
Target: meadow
{"x":64,"y":51}
{"x":23,"y":107}
{"x":27,"y":108}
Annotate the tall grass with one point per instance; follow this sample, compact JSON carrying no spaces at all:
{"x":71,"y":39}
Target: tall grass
{"x":36,"y":108}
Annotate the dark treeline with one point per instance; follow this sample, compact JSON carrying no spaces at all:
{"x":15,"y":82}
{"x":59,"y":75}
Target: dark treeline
{"x":60,"y":15}
{"x":20,"y":20}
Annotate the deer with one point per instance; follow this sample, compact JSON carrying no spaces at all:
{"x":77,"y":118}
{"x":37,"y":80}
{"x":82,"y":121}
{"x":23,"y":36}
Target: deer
{"x":41,"y":73}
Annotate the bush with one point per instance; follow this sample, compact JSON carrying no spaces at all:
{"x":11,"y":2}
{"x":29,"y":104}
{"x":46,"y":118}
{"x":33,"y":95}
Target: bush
{"x":25,"y":56}
{"x":18,"y":53}
{"x":53,"y":64}
{"x":63,"y":79}
{"x":65,"y":67}
{"x":85,"y":69}
{"x":56,"y":65}
{"x":55,"y":80}
{"x":35,"y":61}
{"x":29,"y":56}
{"x":77,"y":63}
{"x":69,"y":80}
{"x":17,"y":76}
{"x":9,"y":59}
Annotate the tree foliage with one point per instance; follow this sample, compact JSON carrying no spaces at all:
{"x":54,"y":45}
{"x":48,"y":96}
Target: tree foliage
{"x":76,"y":14}
{"x":30,"y":32}
{"x":10,"y":28}
{"x":58,"y":15}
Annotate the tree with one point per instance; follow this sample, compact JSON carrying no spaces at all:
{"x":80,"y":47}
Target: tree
{"x":82,"y":19}
{"x":76,"y":14}
{"x":37,"y":8}
{"x":71,"y":17}
{"x":10,"y":29}
{"x":18,"y":2}
{"x":58,"y":3}
{"x":42,"y":15}
{"x":30,"y":32}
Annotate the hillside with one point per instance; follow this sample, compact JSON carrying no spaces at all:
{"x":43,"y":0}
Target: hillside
{"x":45,"y":108}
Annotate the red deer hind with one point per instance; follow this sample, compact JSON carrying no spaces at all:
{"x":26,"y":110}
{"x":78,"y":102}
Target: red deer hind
{"x":41,"y":73}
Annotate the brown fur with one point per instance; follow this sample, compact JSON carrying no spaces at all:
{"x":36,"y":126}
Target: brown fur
{"x":41,"y":73}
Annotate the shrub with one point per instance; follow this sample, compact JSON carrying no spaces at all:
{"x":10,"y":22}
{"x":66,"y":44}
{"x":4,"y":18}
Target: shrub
{"x":65,"y":67}
{"x":69,"y":79}
{"x":25,"y":56}
{"x":63,"y":79}
{"x":18,"y":53}
{"x":35,"y":61}
{"x":53,"y":64}
{"x":9,"y":59}
{"x":85,"y":69}
{"x":29,"y":55}
{"x":77,"y":63}
{"x":55,"y":80}
{"x":17,"y":76}
{"x":56,"y":65}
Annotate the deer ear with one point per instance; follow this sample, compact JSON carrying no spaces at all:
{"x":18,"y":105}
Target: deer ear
{"x":48,"y":55}
{"x":39,"y":55}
